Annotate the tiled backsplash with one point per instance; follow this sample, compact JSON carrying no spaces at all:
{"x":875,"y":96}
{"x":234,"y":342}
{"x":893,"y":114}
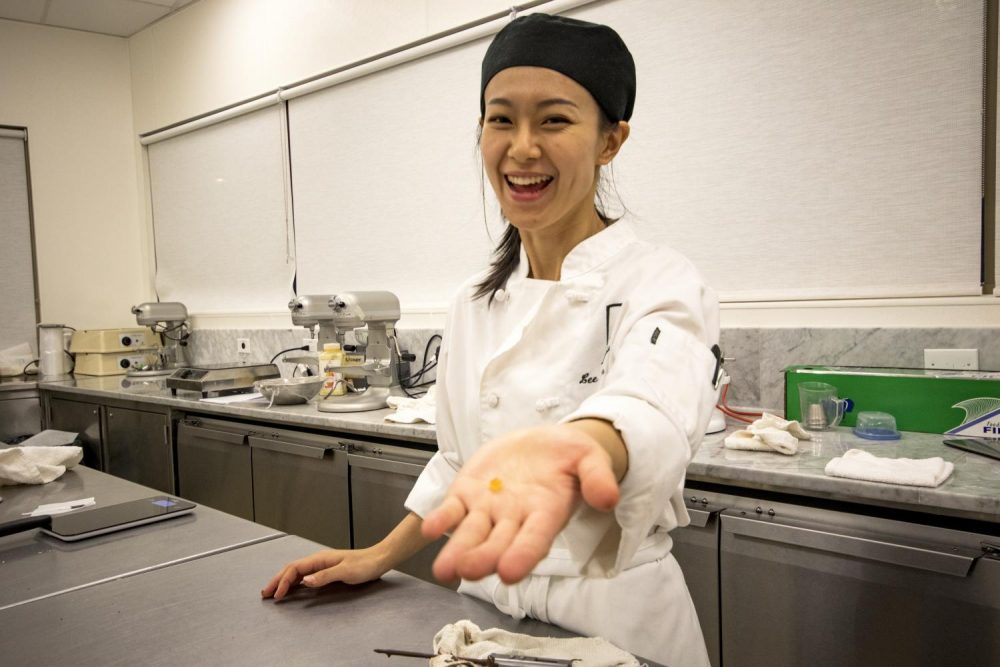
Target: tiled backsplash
{"x":757,"y":356}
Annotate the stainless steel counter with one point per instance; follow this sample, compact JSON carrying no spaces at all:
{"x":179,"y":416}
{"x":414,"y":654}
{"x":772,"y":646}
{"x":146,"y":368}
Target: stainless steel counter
{"x":19,"y":383}
{"x":209,"y":611}
{"x":35,"y":565}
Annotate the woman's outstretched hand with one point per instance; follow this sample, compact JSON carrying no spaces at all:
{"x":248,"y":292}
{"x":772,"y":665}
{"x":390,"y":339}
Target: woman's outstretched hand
{"x":513,"y":497}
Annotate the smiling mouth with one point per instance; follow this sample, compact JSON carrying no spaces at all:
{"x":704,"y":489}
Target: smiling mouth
{"x":527,"y":184}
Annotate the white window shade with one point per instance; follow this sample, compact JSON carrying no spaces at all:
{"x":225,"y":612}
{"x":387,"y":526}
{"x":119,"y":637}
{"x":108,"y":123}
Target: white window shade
{"x":17,"y":307}
{"x":386,"y":180}
{"x":223,"y":237}
{"x":802,"y":150}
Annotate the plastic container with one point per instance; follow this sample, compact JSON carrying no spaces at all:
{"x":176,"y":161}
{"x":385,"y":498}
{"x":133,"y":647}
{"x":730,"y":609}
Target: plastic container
{"x":331,"y":357}
{"x":876,"y":426}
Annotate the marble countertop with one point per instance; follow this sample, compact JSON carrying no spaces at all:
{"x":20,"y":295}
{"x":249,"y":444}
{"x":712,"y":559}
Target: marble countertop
{"x":972,"y":491}
{"x":153,"y":390}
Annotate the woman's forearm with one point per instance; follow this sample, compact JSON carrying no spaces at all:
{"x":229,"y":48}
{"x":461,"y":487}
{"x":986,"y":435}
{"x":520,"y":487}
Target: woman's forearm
{"x":403,"y":541}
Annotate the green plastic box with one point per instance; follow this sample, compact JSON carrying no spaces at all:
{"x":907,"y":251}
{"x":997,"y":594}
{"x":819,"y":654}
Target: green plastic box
{"x":923,"y":400}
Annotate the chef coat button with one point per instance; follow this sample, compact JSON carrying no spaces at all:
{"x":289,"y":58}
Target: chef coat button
{"x":500,"y":295}
{"x":492,"y":400}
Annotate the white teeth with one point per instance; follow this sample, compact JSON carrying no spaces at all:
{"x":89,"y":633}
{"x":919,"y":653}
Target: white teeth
{"x":528,"y":180}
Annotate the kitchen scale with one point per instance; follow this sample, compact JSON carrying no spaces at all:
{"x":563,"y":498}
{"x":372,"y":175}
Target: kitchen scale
{"x":220,"y":379}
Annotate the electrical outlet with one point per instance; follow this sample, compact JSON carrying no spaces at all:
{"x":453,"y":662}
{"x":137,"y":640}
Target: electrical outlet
{"x":963,"y":360}
{"x":243,"y":346}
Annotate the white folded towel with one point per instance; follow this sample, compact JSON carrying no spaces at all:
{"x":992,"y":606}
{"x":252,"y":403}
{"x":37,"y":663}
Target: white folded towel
{"x":859,"y":464}
{"x":410,"y":410}
{"x":465,"y":639}
{"x":36,"y":465}
{"x":770,"y":433}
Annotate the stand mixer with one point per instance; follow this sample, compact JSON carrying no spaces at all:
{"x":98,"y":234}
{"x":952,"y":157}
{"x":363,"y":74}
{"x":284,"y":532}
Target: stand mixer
{"x":372,"y":316}
{"x":169,"y":319}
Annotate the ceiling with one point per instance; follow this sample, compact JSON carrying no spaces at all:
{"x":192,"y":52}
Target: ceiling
{"x":121,"y":18}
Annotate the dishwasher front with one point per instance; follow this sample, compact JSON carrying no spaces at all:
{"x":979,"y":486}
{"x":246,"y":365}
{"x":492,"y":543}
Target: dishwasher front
{"x":814,"y":586}
{"x":382,"y":476}
{"x":696,"y":548}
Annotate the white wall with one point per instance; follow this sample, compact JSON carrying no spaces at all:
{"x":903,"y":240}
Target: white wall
{"x":72,"y":91}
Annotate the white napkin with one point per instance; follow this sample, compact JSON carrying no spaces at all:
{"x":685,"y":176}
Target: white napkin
{"x":465,"y":639}
{"x":859,"y":464}
{"x":36,"y":465}
{"x":411,"y":410}
{"x":770,"y":433}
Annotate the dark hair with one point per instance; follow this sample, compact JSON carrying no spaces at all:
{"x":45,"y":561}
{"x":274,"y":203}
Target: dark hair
{"x":507,"y":253}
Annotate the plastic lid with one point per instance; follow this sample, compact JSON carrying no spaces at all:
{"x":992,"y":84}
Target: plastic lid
{"x":876,"y":426}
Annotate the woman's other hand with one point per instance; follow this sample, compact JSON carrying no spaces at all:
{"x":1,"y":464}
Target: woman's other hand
{"x":325,"y":567}
{"x":513,"y":497}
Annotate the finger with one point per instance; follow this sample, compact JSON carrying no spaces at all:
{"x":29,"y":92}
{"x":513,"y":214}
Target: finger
{"x":598,"y":485}
{"x":482,"y":560}
{"x":471,"y":532}
{"x":530,"y":545}
{"x":279,"y":586}
{"x":323,"y":577}
{"x":444,"y":518}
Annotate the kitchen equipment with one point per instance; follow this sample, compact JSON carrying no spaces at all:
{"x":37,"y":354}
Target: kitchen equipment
{"x":876,"y":426}
{"x":372,"y":316}
{"x":980,"y":446}
{"x":170,"y":320}
{"x":114,"y":340}
{"x":820,"y":405}
{"x":289,"y":391}
{"x":220,"y":379}
{"x":961,"y":403}
{"x":52,"y":356}
{"x":113,"y":363}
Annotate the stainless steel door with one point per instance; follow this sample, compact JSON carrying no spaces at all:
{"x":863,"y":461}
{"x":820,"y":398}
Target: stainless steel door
{"x":381,"y":478}
{"x":300,"y":485}
{"x":213,"y":465}
{"x":696,"y":548}
{"x":805,"y":586}
{"x":20,"y":413}
{"x":137,"y":444}
{"x":82,"y":418}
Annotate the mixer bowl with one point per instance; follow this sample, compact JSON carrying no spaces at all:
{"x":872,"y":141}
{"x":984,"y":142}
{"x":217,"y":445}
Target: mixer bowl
{"x":289,"y":391}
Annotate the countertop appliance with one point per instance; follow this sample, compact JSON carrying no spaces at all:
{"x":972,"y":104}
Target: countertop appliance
{"x":169,"y":319}
{"x":220,"y":379}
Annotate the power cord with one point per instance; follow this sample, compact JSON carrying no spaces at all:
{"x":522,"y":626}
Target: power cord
{"x":301,"y":348}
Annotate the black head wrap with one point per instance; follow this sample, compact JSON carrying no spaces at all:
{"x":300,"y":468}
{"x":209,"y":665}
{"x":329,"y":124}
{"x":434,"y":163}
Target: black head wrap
{"x":593,"y":55}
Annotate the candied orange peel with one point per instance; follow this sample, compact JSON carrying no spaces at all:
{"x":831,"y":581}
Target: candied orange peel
{"x":496,"y":486}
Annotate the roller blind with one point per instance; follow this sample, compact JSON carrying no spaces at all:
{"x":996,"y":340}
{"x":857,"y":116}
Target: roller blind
{"x":793,"y":150}
{"x":17,"y":307}
{"x":224,"y":241}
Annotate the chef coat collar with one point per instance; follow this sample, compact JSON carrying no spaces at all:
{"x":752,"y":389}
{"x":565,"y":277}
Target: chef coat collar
{"x":586,"y":255}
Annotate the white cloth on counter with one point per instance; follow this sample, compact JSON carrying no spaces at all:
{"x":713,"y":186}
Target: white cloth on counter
{"x":859,"y":464}
{"x":411,"y":410}
{"x":770,"y":433}
{"x":36,"y":465}
{"x":61,"y":508}
{"x":467,"y":640}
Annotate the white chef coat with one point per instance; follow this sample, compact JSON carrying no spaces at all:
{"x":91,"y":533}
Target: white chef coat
{"x":625,"y":335}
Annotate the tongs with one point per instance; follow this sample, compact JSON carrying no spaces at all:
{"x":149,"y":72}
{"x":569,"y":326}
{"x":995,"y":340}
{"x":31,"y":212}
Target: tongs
{"x":492,"y":660}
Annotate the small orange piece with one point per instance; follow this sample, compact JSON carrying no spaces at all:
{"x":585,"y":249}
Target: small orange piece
{"x":496,"y":486}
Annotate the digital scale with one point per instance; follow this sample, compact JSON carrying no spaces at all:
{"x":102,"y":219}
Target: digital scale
{"x":220,"y":379}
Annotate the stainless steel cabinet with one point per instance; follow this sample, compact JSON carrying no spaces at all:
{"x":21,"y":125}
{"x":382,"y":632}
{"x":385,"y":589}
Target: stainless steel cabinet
{"x":808,"y":586}
{"x":300,"y":485}
{"x":20,"y":413}
{"x":137,"y":447}
{"x":83,"y":418}
{"x":381,"y":478}
{"x":213,"y":465}
{"x":696,"y":548}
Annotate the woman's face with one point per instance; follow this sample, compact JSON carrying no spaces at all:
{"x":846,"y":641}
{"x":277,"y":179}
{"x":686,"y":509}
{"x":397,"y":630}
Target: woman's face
{"x":542,"y":144}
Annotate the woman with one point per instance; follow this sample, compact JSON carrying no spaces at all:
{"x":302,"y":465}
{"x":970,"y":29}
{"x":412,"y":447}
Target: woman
{"x":577,"y":368}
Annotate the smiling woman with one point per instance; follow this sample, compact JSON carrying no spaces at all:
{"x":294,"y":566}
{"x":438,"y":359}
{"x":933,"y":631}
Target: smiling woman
{"x":575,"y":378}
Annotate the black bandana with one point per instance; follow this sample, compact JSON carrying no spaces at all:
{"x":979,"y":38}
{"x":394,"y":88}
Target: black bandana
{"x":592,"y":55}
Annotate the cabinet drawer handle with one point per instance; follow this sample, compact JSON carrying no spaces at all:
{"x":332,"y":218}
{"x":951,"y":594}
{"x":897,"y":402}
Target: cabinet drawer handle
{"x":289,"y":448}
{"x":921,"y":558}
